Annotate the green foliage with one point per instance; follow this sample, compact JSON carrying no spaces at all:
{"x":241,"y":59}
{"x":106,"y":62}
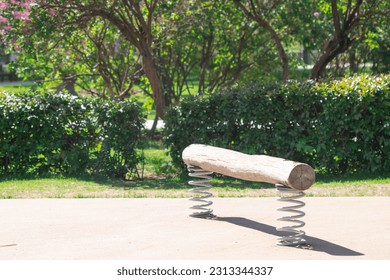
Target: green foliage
{"x":96,"y":47}
{"x":337,"y":127}
{"x":120,"y":126}
{"x":61,"y":133}
{"x":355,"y":129}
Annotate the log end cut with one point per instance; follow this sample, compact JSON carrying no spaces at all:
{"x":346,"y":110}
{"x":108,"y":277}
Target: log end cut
{"x":302,"y":176}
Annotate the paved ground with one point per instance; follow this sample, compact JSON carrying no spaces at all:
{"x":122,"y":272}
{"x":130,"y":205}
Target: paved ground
{"x":149,"y":124}
{"x":144,"y":229}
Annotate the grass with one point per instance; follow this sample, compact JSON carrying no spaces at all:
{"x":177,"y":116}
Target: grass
{"x":157,"y":159}
{"x":174,"y":187}
{"x":16,"y":88}
{"x":353,"y":185}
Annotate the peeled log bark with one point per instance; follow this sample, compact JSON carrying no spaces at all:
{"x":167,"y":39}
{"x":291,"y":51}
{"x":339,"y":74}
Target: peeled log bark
{"x":258,"y":168}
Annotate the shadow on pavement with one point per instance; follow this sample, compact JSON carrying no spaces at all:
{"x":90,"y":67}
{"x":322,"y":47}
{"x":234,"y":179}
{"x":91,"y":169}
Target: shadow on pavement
{"x":313,"y":243}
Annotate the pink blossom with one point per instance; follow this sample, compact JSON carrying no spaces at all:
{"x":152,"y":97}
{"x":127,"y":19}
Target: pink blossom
{"x":316,"y":14}
{"x":17,"y":2}
{"x":3,"y":19}
{"x":26,"y":4}
{"x":24,"y":15}
{"x":3,"y":5}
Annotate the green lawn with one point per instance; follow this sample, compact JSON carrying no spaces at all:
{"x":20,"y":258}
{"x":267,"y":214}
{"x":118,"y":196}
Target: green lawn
{"x":174,"y":186}
{"x":15,"y":88}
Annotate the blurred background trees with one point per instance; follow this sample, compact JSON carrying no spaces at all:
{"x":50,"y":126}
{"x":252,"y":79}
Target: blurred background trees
{"x":167,"y":49}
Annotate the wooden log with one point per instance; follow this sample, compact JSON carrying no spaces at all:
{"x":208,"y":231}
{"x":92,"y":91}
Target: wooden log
{"x":258,"y":168}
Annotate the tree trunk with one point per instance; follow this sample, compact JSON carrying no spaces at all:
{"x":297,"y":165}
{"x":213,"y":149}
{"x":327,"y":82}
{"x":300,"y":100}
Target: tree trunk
{"x":152,"y":130}
{"x":141,"y":38}
{"x":282,"y":54}
{"x":341,"y":38}
{"x":151,"y":73}
{"x":205,"y":60}
{"x":353,"y":64}
{"x":68,"y":84}
{"x":331,"y":50}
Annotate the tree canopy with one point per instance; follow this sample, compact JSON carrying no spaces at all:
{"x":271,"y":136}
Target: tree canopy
{"x":167,"y":48}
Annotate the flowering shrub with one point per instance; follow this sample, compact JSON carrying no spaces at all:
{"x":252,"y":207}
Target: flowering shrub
{"x":13,"y":14}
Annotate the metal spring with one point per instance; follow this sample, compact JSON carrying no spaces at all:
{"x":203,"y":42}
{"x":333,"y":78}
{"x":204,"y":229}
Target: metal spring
{"x":296,"y":236}
{"x":201,"y":192}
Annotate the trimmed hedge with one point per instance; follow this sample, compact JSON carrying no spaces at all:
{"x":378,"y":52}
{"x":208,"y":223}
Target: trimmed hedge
{"x":61,"y":133}
{"x":337,"y":127}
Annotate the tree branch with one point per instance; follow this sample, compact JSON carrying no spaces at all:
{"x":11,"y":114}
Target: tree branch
{"x":336,"y":20}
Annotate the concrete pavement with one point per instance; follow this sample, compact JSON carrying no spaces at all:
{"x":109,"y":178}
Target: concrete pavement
{"x":145,"y":229}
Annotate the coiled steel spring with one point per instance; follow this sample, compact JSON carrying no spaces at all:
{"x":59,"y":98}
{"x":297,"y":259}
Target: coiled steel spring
{"x":296,"y":236}
{"x":201,"y":192}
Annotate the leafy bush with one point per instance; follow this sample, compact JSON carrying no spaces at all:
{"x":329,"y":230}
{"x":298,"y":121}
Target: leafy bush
{"x":338,"y":127}
{"x":354,"y":132}
{"x":119,"y":126}
{"x":61,"y":133}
